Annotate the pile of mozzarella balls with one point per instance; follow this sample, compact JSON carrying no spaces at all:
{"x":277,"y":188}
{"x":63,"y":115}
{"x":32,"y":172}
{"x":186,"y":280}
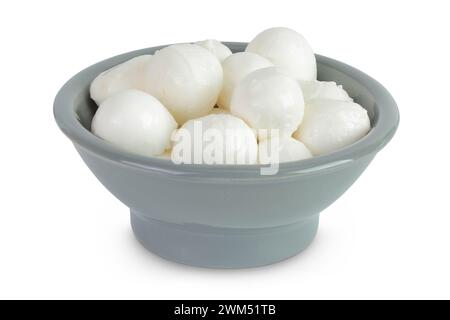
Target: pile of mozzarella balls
{"x":144,"y":102}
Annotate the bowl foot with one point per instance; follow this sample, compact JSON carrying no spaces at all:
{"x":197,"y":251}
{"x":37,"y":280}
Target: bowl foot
{"x":213,"y":247}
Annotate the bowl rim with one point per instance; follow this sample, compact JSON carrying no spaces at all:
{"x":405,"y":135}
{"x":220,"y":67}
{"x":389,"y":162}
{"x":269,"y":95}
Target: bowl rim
{"x":380,"y":134}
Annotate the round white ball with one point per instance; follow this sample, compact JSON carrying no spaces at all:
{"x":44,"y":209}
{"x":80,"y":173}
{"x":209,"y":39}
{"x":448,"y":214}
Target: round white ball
{"x":134,"y":121}
{"x":217,"y":48}
{"x":268,"y":99}
{"x":323,"y":90}
{"x":286,"y":149}
{"x":287,"y":49}
{"x":186,"y":78}
{"x":128,"y":75}
{"x":329,"y":125}
{"x":238,"y":143}
{"x":235,"y":68}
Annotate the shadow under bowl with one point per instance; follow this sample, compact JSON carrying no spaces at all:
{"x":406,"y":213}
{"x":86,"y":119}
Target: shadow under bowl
{"x":226,"y":216}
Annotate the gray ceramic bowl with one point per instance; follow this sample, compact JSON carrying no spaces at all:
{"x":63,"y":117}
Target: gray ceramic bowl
{"x":226,"y":216}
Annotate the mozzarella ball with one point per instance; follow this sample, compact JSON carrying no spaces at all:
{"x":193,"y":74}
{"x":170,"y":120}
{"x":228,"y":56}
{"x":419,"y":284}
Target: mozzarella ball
{"x":215,"y":139}
{"x":323,"y":90}
{"x":287,"y":49}
{"x":268,"y":99}
{"x":134,"y":121}
{"x":217,"y":48}
{"x":186,"y":78}
{"x":284,"y":149}
{"x":235,"y":68}
{"x":128,"y":75}
{"x":329,"y":125}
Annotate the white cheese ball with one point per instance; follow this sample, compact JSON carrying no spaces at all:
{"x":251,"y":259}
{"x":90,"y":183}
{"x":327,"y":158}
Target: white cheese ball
{"x":186,"y":78}
{"x":128,"y":75}
{"x":217,"y":48}
{"x":329,"y":125}
{"x":134,"y":121}
{"x":269,"y":99}
{"x":329,"y":90}
{"x":234,"y":141}
{"x":235,"y":68}
{"x":287,"y":49}
{"x":286,"y":148}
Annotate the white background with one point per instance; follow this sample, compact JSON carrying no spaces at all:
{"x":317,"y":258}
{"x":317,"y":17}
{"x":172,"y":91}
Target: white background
{"x":62,"y":235}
